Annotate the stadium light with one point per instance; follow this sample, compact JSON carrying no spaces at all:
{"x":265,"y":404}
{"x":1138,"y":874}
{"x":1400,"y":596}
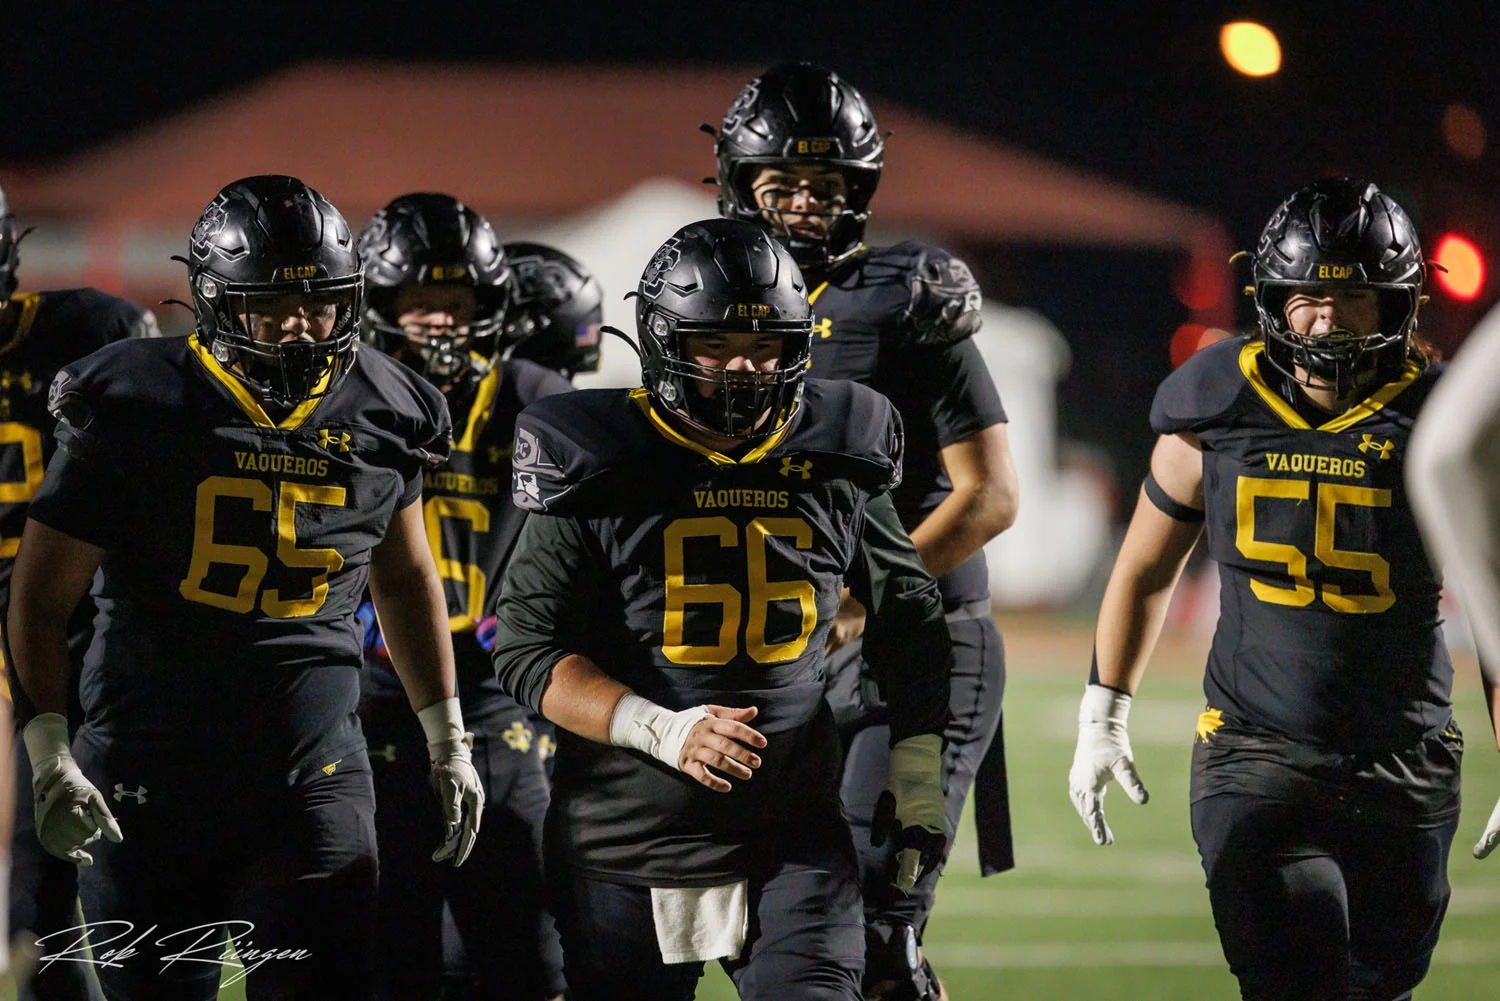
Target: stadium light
{"x":1250,"y":48}
{"x":1461,"y":272}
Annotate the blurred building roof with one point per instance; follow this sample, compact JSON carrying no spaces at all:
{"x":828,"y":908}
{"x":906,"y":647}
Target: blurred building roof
{"x":534,"y":142}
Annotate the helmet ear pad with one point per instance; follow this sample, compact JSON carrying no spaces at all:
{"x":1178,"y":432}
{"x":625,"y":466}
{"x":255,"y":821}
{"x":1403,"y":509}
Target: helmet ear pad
{"x":718,"y":277}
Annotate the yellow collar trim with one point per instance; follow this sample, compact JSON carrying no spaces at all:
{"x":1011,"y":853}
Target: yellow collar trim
{"x":1250,"y":367}
{"x":29,"y":304}
{"x":479,"y":412}
{"x":643,"y":400}
{"x":248,"y":403}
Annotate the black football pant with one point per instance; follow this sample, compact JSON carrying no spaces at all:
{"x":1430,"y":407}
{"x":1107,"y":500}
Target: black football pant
{"x":974,"y":723}
{"x":44,"y":900}
{"x":509,"y":944}
{"x":215,"y":848}
{"x":805,"y":938}
{"x":1327,"y":872}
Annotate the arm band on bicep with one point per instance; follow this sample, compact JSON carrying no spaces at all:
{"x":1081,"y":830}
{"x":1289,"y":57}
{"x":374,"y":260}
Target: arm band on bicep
{"x":1166,"y":505}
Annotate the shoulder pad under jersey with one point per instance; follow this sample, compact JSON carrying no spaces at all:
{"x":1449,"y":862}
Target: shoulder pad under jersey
{"x":568,"y":443}
{"x":945,"y":301}
{"x":1201,"y":391}
{"x":855,"y":427}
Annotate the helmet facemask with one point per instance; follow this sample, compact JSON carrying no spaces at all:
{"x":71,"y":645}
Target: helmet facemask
{"x":844,"y":223}
{"x":740,"y":404}
{"x":442,"y":354}
{"x":1339,"y":359}
{"x":283,"y":372}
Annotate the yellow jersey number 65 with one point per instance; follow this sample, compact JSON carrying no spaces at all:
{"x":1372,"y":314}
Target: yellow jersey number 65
{"x":207,"y":551}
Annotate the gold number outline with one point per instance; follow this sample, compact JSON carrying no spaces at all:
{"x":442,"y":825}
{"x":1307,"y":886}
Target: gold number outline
{"x":21,"y":491}
{"x":434,"y":510}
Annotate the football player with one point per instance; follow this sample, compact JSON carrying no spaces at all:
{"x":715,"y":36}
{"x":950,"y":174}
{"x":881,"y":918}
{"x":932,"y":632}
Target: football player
{"x":235,"y":490}
{"x":39,"y":333}
{"x":667,"y":606}
{"x":558,"y":308}
{"x":438,"y":290}
{"x":1325,"y":768}
{"x":799,"y":153}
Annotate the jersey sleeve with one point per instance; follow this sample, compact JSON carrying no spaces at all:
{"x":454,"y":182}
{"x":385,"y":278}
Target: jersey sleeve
{"x":563,"y":453}
{"x":545,"y":605}
{"x":1202,"y":390}
{"x":84,"y":492}
{"x":428,"y":436}
{"x":906,"y":641}
{"x":959,"y":395}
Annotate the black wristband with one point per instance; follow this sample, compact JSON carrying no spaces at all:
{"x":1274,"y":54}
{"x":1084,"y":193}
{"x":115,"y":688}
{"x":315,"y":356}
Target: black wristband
{"x":1094,"y":676}
{"x":1166,"y":504}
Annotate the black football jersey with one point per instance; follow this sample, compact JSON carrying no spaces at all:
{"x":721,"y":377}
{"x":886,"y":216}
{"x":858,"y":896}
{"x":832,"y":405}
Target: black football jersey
{"x":944,"y":393}
{"x":699,"y":578}
{"x":236,"y":546}
{"x":471,"y":526}
{"x":51,"y":329}
{"x":1328,"y":621}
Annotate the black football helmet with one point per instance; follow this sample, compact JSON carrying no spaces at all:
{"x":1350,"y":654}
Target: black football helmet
{"x":1339,"y":234}
{"x":433,"y":239}
{"x":557,"y":311}
{"x":801,"y":113}
{"x":720,"y":276}
{"x":269,"y":238}
{"x":10,"y":256}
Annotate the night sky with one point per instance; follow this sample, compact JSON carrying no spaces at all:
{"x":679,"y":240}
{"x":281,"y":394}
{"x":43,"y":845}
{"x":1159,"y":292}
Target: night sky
{"x":1133,"y":91}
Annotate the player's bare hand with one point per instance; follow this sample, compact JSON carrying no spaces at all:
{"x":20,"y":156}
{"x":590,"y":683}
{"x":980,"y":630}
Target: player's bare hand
{"x":848,"y":625}
{"x":722,"y":742}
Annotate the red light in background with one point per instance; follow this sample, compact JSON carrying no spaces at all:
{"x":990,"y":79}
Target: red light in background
{"x":1463,"y":274}
{"x":1198,"y":282}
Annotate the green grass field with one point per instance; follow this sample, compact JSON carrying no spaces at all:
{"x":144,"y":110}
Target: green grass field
{"x":1131,"y":922}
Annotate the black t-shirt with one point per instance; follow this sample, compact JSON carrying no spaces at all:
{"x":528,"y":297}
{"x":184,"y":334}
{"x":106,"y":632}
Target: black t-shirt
{"x":1328,"y":615}
{"x":695,"y":577}
{"x":236,"y":547}
{"x":943,"y":392}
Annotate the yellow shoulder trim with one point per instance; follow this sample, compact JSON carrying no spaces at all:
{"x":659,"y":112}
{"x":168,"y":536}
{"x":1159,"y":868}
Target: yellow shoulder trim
{"x":1250,"y":367}
{"x":813,"y":296}
{"x":29,"y":304}
{"x":247,"y":402}
{"x":479,"y":413}
{"x":642,"y":399}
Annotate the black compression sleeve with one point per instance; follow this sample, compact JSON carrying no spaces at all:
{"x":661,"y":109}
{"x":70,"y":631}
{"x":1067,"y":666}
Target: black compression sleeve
{"x":906,"y":639}
{"x":1166,"y":504}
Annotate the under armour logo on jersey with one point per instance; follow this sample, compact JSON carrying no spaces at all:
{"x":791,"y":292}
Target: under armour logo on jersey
{"x":1385,"y":448}
{"x":327,"y":439}
{"x":823,"y":328}
{"x":11,"y":380}
{"x":517,"y":737}
{"x":499,"y":453}
{"x":138,"y":794}
{"x":788,"y":467}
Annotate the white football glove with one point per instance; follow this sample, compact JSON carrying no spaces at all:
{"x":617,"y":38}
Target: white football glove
{"x":1103,"y":752}
{"x":910,"y":809}
{"x":70,"y":811}
{"x":1491,"y":836}
{"x":454,"y":779}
